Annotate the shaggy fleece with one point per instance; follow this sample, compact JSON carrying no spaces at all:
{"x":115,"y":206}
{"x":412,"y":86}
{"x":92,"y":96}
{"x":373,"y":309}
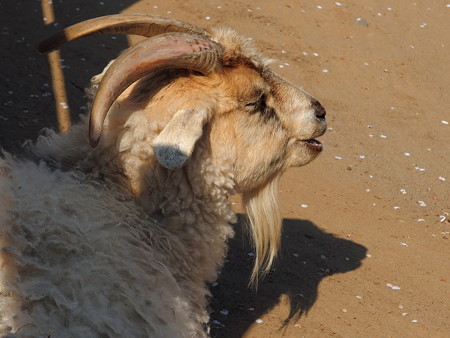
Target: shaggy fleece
{"x":80,"y":259}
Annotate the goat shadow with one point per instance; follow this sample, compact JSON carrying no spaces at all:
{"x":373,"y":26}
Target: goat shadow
{"x":308,"y":255}
{"x":27,"y":101}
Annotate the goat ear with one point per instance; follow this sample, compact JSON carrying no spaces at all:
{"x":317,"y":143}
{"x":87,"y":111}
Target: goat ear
{"x":175,"y":144}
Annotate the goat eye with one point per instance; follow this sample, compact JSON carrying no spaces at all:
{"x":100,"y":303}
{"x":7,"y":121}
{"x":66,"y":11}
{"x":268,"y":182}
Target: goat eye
{"x":257,"y":104}
{"x":253,"y":104}
{"x":262,"y":108}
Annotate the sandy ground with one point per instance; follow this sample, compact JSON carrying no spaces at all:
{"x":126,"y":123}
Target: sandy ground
{"x":366,"y":240}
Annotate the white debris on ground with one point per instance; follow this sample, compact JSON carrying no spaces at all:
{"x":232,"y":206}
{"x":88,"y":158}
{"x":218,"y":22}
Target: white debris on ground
{"x":393,"y":287}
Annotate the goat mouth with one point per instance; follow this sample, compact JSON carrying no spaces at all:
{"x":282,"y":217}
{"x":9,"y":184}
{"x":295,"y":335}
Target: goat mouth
{"x":314,"y":145}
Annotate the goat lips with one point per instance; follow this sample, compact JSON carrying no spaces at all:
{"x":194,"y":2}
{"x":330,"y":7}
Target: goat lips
{"x":314,"y":144}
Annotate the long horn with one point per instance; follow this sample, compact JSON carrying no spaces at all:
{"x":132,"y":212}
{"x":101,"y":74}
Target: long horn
{"x":170,"y":50}
{"x":137,"y":24}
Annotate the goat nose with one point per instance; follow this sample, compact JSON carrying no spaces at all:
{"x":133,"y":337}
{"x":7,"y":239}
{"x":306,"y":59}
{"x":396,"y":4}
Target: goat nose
{"x":319,"y":110}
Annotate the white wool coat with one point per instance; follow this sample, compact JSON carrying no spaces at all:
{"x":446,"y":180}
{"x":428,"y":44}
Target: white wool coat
{"x":80,"y":257}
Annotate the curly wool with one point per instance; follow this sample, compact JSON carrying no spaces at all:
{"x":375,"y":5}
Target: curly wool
{"x":83,"y":258}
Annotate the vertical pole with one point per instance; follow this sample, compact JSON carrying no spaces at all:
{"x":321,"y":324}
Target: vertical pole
{"x":59,"y":89}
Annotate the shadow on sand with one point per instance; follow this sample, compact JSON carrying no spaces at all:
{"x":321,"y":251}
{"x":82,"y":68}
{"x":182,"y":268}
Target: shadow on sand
{"x":308,"y":255}
{"x":28,"y":101}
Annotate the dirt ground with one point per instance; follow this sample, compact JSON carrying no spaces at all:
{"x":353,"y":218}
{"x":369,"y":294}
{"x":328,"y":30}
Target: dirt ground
{"x":366,"y":241}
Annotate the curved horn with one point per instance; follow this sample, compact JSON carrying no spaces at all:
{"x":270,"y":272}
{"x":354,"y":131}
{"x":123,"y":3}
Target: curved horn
{"x":170,"y":50}
{"x":137,"y":24}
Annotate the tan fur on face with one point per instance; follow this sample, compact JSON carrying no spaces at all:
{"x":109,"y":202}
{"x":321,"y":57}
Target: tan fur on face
{"x":257,"y":148}
{"x":262,"y":149}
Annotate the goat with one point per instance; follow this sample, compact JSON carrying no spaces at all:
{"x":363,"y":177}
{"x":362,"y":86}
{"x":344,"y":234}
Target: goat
{"x":118,"y":231}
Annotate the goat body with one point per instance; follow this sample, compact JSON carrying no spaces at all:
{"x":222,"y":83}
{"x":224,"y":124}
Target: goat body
{"x":119,"y":233}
